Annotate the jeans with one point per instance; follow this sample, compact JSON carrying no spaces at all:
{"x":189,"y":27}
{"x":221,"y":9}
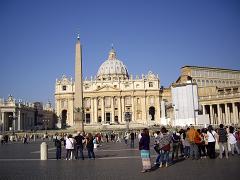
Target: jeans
{"x":132,"y":143}
{"x":187,"y":151}
{"x":194,"y":151}
{"x":201,"y":150}
{"x":91,"y":154}
{"x":211,"y":150}
{"x":58,"y":152}
{"x":175,"y":150}
{"x":164,"y":156}
{"x":80,"y":149}
{"x":69,"y":154}
{"x":158,"y":158}
{"x":221,"y":145}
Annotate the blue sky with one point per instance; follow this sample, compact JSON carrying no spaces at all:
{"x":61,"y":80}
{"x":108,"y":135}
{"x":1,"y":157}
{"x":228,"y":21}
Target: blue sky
{"x":37,"y":39}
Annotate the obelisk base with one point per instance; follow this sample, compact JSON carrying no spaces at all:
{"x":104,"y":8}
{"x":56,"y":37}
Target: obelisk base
{"x":78,"y":122}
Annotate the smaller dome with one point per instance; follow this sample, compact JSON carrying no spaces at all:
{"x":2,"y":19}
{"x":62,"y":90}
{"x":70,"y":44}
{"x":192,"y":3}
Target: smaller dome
{"x":112,"y":67}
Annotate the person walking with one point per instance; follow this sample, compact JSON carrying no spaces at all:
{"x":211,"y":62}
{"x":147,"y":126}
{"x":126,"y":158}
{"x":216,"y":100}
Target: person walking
{"x":145,"y":150}
{"x":90,"y":146}
{"x":222,"y":141}
{"x":70,"y":142}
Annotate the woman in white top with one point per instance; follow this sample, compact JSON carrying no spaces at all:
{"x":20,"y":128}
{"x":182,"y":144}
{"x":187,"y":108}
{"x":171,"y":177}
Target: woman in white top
{"x":211,"y":134}
{"x":70,"y":142}
{"x":232,"y":140}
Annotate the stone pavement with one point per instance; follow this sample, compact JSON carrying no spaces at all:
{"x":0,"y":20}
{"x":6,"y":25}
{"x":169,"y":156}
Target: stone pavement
{"x":113,"y":161}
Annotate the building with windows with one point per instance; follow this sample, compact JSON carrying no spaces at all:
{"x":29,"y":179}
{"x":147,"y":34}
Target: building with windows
{"x":21,"y":116}
{"x":110,"y":95}
{"x":218,"y":92}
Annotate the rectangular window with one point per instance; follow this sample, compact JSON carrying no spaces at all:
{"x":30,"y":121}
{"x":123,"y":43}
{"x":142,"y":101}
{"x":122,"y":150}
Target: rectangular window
{"x":150,"y":84}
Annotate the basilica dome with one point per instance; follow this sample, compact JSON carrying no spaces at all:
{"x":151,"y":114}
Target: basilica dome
{"x":112,"y":68}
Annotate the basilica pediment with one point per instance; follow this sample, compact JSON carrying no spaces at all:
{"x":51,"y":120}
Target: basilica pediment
{"x":106,"y":88}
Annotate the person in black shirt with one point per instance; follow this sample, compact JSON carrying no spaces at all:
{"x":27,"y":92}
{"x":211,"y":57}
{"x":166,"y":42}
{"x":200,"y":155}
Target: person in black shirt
{"x":79,"y":146}
{"x":58,"y":145}
{"x":132,"y":137}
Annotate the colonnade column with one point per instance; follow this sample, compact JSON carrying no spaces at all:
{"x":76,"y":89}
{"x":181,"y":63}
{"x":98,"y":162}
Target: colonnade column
{"x":123,"y":109}
{"x":92,"y":111}
{"x":158,"y":116}
{"x":218,"y":114}
{"x":144,"y":119}
{"x":211,"y":114}
{"x":119,"y":110}
{"x":226,"y":114}
{"x":19,"y":121}
{"x":204,"y":110}
{"x":234,"y":113}
{"x":229,"y":114}
{"x":3,"y":122}
{"x":103,"y":110}
{"x":95,"y":107}
{"x":112,"y":110}
{"x":133,"y":109}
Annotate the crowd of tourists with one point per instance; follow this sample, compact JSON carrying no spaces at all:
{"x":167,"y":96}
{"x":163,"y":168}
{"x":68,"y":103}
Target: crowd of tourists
{"x":75,"y":145}
{"x":189,"y":143}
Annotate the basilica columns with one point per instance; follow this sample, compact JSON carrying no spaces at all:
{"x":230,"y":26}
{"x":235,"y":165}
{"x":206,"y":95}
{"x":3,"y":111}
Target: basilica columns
{"x":119,"y":110}
{"x":95,"y":109}
{"x":133,"y":109}
{"x":103,"y":110}
{"x":123,"y":108}
{"x":112,"y":110}
{"x":92,"y":110}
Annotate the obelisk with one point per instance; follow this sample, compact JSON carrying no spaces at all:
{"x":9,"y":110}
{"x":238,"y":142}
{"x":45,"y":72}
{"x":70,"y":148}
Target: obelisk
{"x":78,"y":96}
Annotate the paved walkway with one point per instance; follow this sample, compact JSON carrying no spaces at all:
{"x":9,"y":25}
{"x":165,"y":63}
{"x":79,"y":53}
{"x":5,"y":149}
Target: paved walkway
{"x":114,"y":161}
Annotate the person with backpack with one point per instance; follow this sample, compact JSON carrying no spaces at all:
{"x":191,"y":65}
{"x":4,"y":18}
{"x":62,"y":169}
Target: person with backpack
{"x":222,"y":141}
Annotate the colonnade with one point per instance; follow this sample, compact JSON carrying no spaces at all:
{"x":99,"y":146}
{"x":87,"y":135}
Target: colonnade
{"x":227,"y":113}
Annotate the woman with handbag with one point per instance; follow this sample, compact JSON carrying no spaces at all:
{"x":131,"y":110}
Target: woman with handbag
{"x":211,"y":134}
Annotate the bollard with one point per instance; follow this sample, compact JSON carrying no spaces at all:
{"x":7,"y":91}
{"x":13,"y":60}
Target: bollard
{"x":34,"y":137}
{"x":44,"y":151}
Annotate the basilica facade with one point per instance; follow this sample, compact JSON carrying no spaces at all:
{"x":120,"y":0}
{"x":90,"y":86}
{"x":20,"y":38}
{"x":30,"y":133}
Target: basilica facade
{"x":112,"y":97}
